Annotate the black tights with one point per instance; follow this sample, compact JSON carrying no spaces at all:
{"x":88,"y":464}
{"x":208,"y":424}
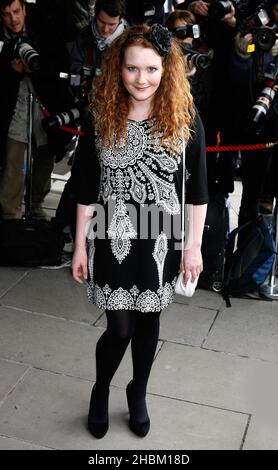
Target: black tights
{"x":122,"y":326}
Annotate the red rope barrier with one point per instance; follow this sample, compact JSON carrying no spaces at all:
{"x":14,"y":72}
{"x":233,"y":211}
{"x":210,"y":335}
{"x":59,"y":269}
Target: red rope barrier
{"x":70,"y":130}
{"x":227,"y":148}
{"x":216,"y":148}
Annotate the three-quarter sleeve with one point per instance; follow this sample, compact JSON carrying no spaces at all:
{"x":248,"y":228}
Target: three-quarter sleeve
{"x":197,"y":185}
{"x":86,"y":169}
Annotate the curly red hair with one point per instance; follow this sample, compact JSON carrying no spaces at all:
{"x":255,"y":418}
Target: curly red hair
{"x":172,"y":103}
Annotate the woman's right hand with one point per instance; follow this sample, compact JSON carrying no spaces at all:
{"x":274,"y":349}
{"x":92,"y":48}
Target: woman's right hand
{"x":79,"y":264}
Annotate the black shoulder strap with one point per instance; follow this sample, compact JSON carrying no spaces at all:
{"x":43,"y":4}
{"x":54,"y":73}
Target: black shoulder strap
{"x":228,"y":257}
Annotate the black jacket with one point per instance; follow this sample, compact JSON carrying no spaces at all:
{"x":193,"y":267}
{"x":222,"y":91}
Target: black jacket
{"x":66,"y":16}
{"x":85,"y":51}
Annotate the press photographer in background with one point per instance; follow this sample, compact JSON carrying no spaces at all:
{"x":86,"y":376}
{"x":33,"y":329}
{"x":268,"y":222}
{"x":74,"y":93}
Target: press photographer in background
{"x":93,"y":41}
{"x":270,"y":189}
{"x":197,"y":55}
{"x":30,"y":58}
{"x":217,"y":23}
{"x":253,"y":99}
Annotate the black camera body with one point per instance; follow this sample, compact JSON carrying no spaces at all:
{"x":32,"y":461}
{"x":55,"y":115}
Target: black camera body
{"x":198,"y":59}
{"x":187,"y":31}
{"x":265,"y":37}
{"x":258,"y":24}
{"x":21,"y":48}
{"x":76,"y":79}
{"x":80,"y":83}
{"x":219,"y":8}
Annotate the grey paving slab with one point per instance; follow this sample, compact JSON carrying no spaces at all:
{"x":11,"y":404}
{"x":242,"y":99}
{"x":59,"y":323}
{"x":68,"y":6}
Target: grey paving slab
{"x":9,"y":443}
{"x":249,"y":328}
{"x":211,"y":378}
{"x":9,"y":277}
{"x":53,"y":292}
{"x":262,"y":435}
{"x":10,"y":373}
{"x":263,"y":391}
{"x":51,"y":409}
{"x":186,"y":324}
{"x":48,"y":343}
{"x":202,"y":298}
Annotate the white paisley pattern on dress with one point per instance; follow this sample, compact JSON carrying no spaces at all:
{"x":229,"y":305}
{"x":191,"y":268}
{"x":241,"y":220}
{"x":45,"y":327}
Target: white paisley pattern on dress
{"x":127,"y":175}
{"x":122,"y":299}
{"x":159,"y":254}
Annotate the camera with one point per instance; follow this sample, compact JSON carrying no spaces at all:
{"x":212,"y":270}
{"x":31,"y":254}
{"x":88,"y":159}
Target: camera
{"x":199,"y":60}
{"x":266,"y":98}
{"x":22,"y":49}
{"x":79,"y":82}
{"x":258,"y":24}
{"x":265,"y":37}
{"x":62,"y":119}
{"x":219,"y":8}
{"x":76,"y":79}
{"x":187,"y":31}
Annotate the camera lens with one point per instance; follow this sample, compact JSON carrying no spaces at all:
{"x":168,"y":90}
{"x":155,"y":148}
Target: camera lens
{"x":265,"y":38}
{"x":219,"y":8}
{"x":180,"y":33}
{"x":29,"y":56}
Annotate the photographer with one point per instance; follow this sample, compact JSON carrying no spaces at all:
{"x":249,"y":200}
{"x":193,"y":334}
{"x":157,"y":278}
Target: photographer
{"x":270,"y":186}
{"x":92,"y":42}
{"x":217,"y":25}
{"x":29,"y":60}
{"x":184,"y":27}
{"x":253,"y":104}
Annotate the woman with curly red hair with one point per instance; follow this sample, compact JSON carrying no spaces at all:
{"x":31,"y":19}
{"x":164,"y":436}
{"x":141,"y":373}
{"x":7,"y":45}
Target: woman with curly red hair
{"x":131,"y":167}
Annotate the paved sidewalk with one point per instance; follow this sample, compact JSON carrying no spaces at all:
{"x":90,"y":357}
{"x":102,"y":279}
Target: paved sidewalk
{"x":214,"y":383}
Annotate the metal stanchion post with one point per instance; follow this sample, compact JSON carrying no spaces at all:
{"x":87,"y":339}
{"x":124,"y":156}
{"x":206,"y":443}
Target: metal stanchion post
{"x":28,"y":176}
{"x":271,"y":289}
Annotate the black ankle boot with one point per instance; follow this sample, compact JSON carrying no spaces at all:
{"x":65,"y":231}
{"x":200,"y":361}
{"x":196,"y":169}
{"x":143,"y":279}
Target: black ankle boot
{"x":98,"y":421}
{"x":137,"y":408}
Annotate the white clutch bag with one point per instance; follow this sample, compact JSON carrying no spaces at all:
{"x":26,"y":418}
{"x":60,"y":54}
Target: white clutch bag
{"x":187,"y":289}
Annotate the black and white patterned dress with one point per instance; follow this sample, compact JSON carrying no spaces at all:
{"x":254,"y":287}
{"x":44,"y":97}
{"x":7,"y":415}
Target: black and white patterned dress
{"x":134,"y":259}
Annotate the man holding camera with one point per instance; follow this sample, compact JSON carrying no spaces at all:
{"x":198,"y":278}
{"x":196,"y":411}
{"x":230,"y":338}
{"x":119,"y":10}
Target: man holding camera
{"x":253,"y":99}
{"x":30,"y":58}
{"x":217,"y":23}
{"x":92,"y":42}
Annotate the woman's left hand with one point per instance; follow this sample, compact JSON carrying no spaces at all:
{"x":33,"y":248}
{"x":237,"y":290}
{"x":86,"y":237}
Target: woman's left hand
{"x":192,"y":262}
{"x":230,"y":18}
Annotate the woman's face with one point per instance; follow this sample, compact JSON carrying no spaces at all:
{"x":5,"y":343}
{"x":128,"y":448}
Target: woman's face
{"x":178,"y":24}
{"x":141,"y":72}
